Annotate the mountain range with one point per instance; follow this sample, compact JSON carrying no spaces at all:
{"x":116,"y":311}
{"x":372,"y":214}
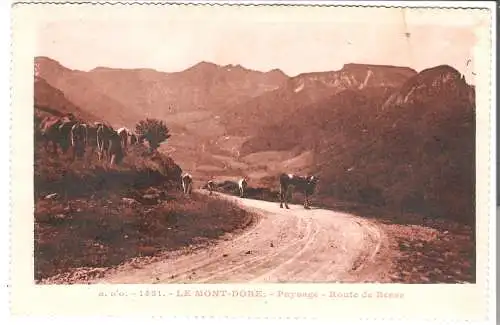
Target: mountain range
{"x":377,"y":134}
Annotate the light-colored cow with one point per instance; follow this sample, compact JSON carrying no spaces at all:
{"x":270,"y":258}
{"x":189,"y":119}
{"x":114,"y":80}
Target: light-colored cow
{"x":288,"y":182}
{"x":187,"y":183}
{"x":243,"y":185}
{"x":104,"y":134}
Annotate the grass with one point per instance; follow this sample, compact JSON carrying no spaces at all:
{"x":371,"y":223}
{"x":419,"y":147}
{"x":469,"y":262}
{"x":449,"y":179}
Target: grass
{"x":107,"y":231}
{"x":101,"y":217}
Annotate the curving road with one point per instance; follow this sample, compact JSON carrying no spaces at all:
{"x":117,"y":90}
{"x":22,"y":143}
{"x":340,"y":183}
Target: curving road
{"x":295,"y":245}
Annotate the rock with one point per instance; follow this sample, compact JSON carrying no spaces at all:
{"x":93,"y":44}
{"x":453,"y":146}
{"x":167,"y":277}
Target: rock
{"x":129,"y":200}
{"x":272,"y":245}
{"x":224,"y":255}
{"x":53,"y":196}
{"x":404,"y":246}
{"x":248,"y":252}
{"x":60,"y":216}
{"x":150,"y":198}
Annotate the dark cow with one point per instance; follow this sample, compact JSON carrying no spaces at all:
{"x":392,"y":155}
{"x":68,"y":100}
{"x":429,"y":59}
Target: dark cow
{"x":92,"y":137}
{"x":187,"y":183}
{"x":49,"y":131}
{"x":242,"y":186}
{"x":211,"y":186}
{"x":65,"y":134}
{"x":52,"y":132}
{"x":124,"y":134}
{"x":78,"y":135}
{"x":307,"y":184}
{"x":133,"y":139}
{"x":115,"y":149}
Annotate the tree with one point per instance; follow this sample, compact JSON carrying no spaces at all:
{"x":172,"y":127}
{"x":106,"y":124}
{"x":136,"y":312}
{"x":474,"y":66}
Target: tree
{"x":153,"y":130}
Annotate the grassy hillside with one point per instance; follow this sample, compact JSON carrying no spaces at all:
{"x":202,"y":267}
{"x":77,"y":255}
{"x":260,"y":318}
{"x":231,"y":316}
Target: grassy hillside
{"x":89,"y":217}
{"x":50,"y":101}
{"x":410,"y":148}
{"x":305,"y":90}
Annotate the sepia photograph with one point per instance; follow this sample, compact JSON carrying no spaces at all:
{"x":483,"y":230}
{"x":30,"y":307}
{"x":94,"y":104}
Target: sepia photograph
{"x":351,"y":161}
{"x":248,"y":145}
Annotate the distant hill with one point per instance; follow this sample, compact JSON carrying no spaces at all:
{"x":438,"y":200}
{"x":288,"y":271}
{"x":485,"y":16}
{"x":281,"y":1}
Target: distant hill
{"x":124,"y":95}
{"x":84,"y":93}
{"x":306,"y":89}
{"x":51,"y":101}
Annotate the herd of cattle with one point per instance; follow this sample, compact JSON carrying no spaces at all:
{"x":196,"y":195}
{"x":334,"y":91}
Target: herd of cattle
{"x":68,"y":132}
{"x":287,"y":183}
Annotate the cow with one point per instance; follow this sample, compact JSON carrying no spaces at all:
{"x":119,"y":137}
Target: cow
{"x":56,"y":131}
{"x":65,"y":134}
{"x":124,"y":134}
{"x":78,"y":136}
{"x":49,"y":131}
{"x":133,"y":139}
{"x":211,"y":186}
{"x":300,"y":183}
{"x":115,"y":149}
{"x":187,"y":183}
{"x":92,"y":137}
{"x":104,"y":134}
{"x":242,"y":186}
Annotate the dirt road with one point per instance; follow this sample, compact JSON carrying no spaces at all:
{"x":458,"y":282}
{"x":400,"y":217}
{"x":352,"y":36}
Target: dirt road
{"x":294,"y":245}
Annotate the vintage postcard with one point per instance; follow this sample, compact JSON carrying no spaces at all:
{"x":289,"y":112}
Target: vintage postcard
{"x":327,"y":161}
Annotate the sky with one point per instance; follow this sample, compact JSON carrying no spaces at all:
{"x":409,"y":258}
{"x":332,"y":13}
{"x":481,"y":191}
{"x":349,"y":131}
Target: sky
{"x":293,"y":39}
